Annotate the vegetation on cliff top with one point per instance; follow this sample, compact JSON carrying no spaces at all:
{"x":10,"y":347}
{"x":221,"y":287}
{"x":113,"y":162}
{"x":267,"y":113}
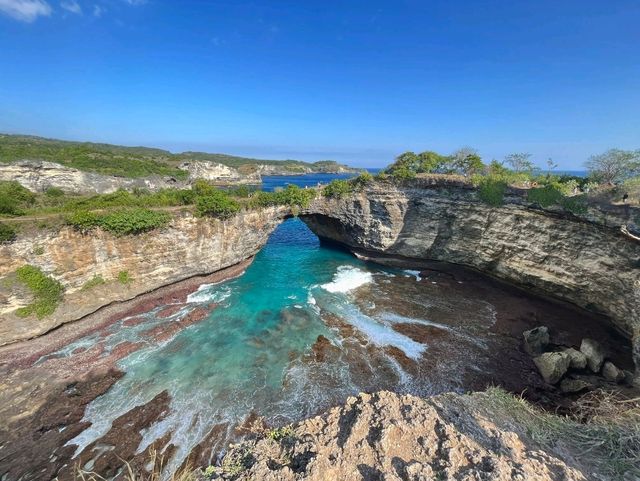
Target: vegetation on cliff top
{"x":134,"y":161}
{"x":47,"y":292}
{"x":124,"y":213}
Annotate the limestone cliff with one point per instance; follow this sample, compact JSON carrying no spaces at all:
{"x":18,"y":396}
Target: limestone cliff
{"x":219,"y":173}
{"x":187,"y":247}
{"x":584,"y":259}
{"x":38,"y":176}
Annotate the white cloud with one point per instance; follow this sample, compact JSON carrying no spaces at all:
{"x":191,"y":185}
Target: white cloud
{"x":135,"y":2}
{"x":72,"y":6}
{"x":25,"y":10}
{"x":98,"y":10}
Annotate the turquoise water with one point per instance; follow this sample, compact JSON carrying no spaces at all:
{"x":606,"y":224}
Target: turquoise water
{"x":253,"y":353}
{"x":258,"y":352}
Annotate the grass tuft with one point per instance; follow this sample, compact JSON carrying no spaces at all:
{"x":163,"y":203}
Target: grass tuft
{"x":47,"y":292}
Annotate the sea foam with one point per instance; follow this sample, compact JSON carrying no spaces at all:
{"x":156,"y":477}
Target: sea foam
{"x":347,"y":279}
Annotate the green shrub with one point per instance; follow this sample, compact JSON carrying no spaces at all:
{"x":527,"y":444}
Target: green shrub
{"x":96,"y":280}
{"x":124,"y":278}
{"x":133,"y":221}
{"x":14,"y":198}
{"x":551,"y":195}
{"x":54,"y":192}
{"x":575,"y":204}
{"x":82,"y":220}
{"x":47,"y":292}
{"x":7,"y":233}
{"x":545,"y":196}
{"x":279,"y":434}
{"x":216,"y":204}
{"x":119,"y":222}
{"x":363,"y":179}
{"x":491,"y":191}
{"x":293,"y":196}
{"x":337,"y":189}
{"x":403,"y":173}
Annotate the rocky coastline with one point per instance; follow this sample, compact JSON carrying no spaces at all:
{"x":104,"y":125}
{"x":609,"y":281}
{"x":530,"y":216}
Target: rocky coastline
{"x":425,"y":226}
{"x":586,"y":259}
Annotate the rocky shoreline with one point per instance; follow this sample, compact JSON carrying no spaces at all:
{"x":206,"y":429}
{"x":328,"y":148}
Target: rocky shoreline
{"x":42,"y":403}
{"x":585,"y":259}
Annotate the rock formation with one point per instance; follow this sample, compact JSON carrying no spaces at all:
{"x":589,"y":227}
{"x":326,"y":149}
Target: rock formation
{"x":392,"y":437}
{"x":39,"y":175}
{"x":187,"y":247}
{"x":584,"y":259}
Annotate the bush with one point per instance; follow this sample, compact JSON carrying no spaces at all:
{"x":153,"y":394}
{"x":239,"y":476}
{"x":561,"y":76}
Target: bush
{"x":47,"y":292}
{"x":82,"y":220}
{"x":133,"y":221}
{"x":7,"y":233}
{"x":545,"y":196}
{"x":14,"y":198}
{"x":403,"y":173}
{"x":294,"y":196}
{"x":54,"y":192}
{"x":551,"y":195}
{"x":491,"y":191}
{"x":119,"y":222}
{"x":337,"y":189}
{"x":364,"y":179}
{"x":216,"y":204}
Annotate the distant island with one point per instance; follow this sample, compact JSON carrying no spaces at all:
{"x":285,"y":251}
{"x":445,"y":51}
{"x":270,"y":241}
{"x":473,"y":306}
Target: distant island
{"x":135,"y":162}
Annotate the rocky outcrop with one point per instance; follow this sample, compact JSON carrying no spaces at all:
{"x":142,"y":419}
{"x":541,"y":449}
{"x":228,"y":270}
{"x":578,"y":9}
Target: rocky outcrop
{"x":38,"y":176}
{"x":189,"y":246}
{"x":392,"y":437}
{"x":219,"y":173}
{"x":584,"y":259}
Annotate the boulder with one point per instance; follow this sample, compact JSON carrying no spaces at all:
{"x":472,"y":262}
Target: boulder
{"x":573,"y":385}
{"x":536,"y":340}
{"x":552,"y":365}
{"x":612,"y":373}
{"x":578,"y":359}
{"x":593,"y":352}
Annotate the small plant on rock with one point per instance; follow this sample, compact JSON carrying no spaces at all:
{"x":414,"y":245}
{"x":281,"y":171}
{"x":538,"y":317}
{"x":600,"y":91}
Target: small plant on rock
{"x":124,"y":278}
{"x":278,"y":434}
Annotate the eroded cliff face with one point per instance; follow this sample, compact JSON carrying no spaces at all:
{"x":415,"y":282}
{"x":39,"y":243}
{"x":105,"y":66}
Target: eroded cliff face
{"x":38,"y":176}
{"x":189,"y":246}
{"x":586,"y":260}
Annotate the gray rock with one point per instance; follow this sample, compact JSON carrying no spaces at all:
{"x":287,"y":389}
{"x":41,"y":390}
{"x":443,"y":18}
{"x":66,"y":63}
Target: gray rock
{"x":552,"y":365}
{"x":578,"y":359}
{"x":594,"y":353}
{"x":536,"y":340}
{"x":612,"y":373}
{"x":573,"y":385}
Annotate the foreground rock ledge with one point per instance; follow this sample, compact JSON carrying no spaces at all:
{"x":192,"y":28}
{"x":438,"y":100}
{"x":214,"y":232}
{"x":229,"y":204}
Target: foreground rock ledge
{"x":385,"y":436}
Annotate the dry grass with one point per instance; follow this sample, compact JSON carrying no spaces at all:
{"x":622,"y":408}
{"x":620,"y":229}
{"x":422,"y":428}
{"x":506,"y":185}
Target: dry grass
{"x":603,"y":430}
{"x":156,"y":473}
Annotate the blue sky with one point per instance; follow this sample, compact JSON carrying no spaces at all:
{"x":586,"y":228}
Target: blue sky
{"x":354,"y":81}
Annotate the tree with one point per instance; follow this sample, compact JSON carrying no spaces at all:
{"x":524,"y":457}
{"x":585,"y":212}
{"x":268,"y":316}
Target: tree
{"x":519,"y":162}
{"x":466,"y":161}
{"x":614,"y":165}
{"x":407,"y":160}
{"x":431,"y":161}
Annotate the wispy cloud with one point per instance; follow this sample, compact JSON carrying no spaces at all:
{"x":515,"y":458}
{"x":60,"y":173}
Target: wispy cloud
{"x":98,"y":11}
{"x":25,"y":10}
{"x":135,"y":2}
{"x":72,"y":6}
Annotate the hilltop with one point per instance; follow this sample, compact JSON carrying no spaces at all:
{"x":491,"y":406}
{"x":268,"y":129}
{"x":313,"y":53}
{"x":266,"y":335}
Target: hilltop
{"x":134,"y":162}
